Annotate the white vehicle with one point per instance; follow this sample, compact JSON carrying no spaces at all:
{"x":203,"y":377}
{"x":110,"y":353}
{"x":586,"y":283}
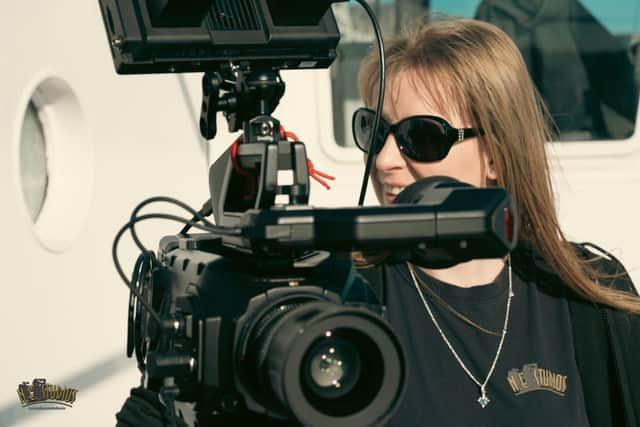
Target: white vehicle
{"x":81,"y":146}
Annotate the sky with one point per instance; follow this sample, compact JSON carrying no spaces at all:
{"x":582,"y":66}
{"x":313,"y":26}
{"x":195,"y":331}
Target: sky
{"x":619,"y":19}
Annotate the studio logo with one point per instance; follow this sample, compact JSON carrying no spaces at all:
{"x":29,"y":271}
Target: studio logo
{"x":41,"y":395}
{"x":532,"y":378}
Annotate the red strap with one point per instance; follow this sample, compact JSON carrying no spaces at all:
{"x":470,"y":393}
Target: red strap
{"x":313,"y":172}
{"x":234,"y":157}
{"x":248,"y":183}
{"x":317,"y":175}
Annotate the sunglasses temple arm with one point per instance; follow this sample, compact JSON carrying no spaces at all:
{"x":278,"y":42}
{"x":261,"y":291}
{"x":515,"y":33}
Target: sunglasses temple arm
{"x":471,"y":132}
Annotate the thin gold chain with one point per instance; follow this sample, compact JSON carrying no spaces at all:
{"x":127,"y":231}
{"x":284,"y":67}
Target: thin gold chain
{"x":453,"y":311}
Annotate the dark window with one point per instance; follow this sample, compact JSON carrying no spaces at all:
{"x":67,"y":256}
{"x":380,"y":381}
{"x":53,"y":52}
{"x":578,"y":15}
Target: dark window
{"x":580,"y":54}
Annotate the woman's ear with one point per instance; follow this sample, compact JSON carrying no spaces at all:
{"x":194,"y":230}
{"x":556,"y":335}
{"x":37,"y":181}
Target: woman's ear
{"x":489,"y":168}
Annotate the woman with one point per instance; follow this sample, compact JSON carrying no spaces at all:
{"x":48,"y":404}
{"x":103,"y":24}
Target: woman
{"x":547,"y":336}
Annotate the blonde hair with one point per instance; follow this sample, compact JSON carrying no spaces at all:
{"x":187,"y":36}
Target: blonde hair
{"x":477,"y":68}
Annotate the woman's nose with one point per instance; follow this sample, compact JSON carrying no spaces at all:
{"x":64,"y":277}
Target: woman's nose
{"x":389,"y":156}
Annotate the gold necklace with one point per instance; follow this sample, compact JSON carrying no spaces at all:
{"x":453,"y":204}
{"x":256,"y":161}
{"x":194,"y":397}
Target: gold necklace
{"x":483,"y":400}
{"x":453,"y":311}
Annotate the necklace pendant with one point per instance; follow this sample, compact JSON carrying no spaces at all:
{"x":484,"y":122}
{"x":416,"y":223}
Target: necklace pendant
{"x":483,"y":400}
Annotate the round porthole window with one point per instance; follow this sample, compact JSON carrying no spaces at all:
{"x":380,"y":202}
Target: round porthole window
{"x":55,"y":162}
{"x":34,"y":176}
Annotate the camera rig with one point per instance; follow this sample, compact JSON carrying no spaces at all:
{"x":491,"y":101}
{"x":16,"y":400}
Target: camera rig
{"x":257,"y":315}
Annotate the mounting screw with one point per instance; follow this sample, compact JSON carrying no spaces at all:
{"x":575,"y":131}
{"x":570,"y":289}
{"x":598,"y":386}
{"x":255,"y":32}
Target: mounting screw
{"x":265,"y":128}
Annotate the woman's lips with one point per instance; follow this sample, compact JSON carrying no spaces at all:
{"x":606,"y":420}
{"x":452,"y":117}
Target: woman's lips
{"x":391,"y":192}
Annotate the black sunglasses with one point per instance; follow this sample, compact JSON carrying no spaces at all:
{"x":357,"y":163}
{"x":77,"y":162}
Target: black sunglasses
{"x":420,"y":138}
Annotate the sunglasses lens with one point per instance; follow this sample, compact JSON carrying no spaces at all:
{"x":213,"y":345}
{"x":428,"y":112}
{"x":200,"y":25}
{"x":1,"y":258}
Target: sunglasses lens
{"x":423,"y":139}
{"x":363,"y":126}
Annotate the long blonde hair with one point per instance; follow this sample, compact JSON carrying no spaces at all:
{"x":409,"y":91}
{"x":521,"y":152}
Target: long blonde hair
{"x":477,"y":67}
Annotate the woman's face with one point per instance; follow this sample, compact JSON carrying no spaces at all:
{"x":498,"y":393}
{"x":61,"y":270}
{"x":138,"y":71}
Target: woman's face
{"x":392,"y":171}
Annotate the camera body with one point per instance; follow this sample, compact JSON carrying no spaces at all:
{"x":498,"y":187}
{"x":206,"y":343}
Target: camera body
{"x":271,"y":336}
{"x":267,"y":321}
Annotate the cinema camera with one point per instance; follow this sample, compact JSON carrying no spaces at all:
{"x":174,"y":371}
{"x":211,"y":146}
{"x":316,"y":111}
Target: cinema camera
{"x":256,"y":315}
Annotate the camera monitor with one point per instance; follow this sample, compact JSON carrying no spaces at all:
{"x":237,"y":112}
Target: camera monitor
{"x":166,"y":36}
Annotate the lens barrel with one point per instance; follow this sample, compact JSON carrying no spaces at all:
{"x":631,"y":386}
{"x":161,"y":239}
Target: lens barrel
{"x":325,"y":363}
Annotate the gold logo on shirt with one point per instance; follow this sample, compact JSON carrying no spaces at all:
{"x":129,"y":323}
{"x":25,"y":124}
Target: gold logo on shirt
{"x":532,"y":378}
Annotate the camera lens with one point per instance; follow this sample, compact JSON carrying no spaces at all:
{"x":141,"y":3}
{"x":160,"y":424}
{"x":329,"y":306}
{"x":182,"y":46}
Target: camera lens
{"x":323,"y":363}
{"x":331,"y":367}
{"x":352,"y":379}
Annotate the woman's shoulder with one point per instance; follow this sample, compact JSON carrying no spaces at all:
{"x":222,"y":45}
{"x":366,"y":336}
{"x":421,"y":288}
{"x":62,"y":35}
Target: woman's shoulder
{"x":606,"y":263}
{"x":529,"y":260}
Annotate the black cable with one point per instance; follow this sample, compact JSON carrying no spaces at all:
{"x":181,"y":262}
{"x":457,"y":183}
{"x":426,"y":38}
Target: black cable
{"x":381,"y":90}
{"x":205,"y":211}
{"x":134,"y":214}
{"x":125,"y":279}
{"x":133,"y":304}
{"x":136,"y":326}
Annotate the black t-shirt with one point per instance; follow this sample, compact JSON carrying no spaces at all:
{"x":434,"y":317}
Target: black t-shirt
{"x":535,"y":382}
